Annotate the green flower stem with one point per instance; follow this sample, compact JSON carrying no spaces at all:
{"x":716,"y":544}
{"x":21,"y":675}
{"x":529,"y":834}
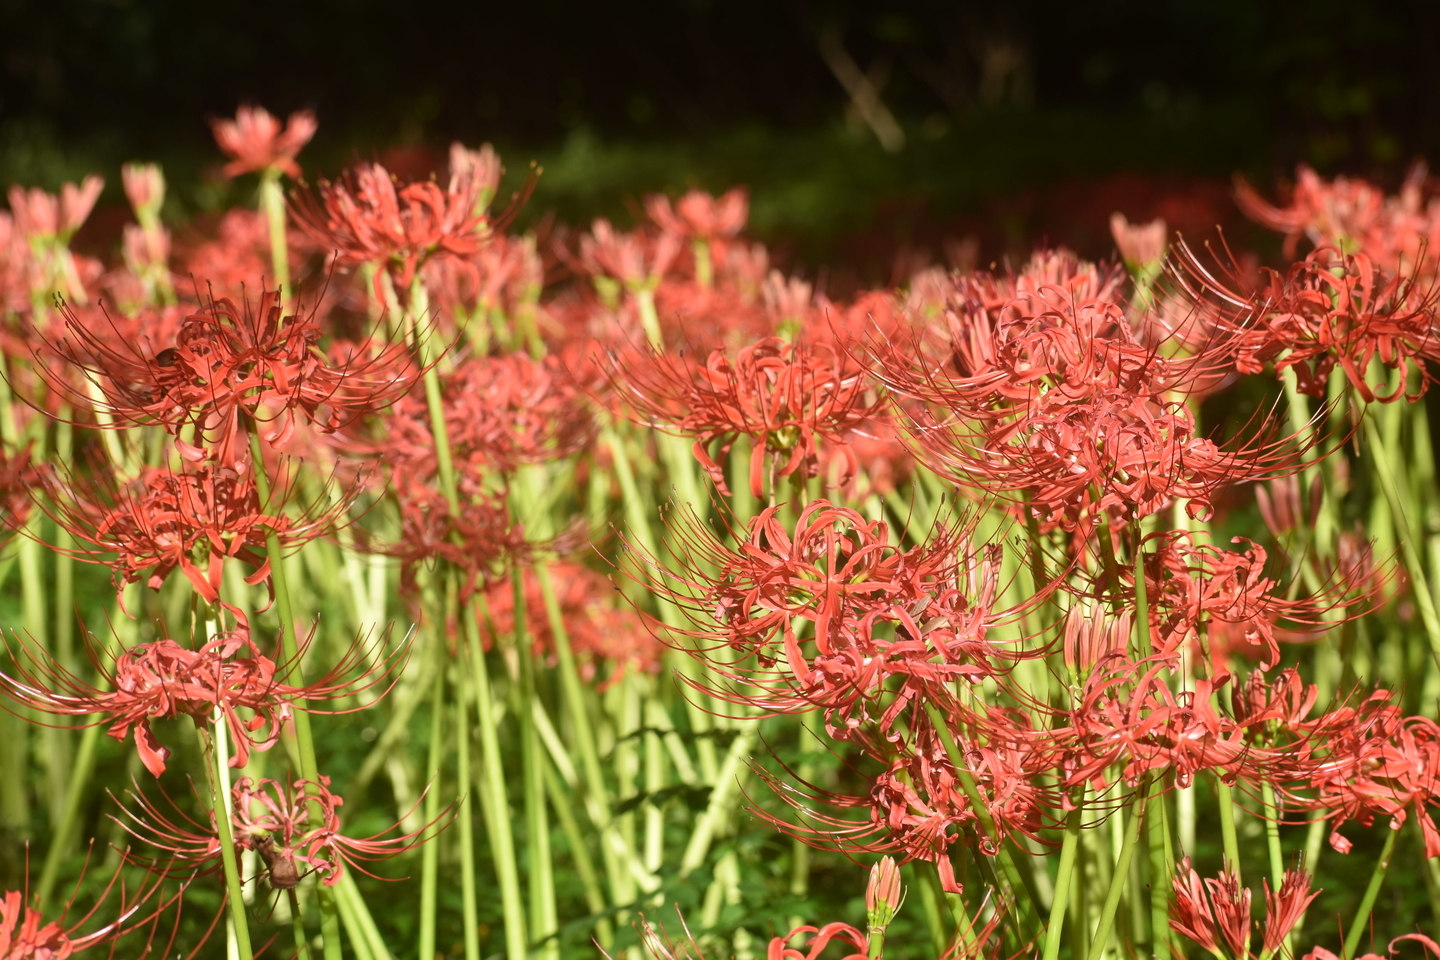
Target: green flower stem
{"x":495,"y":797}
{"x":430,"y":854}
{"x":14,"y":759}
{"x":544,"y":915}
{"x":297,"y":925}
{"x":126,"y":633}
{"x":69,"y":822}
{"x":216,"y":744}
{"x":580,"y":853}
{"x":291,"y":670}
{"x":655,"y":781}
{"x":727,"y":784}
{"x":272,"y":205}
{"x":1390,"y":473}
{"x":360,"y":942}
{"x":465,"y":817}
{"x":495,"y":802}
{"x":1229,"y":840}
{"x":1367,"y":902}
{"x":1272,"y":834}
{"x":1064,"y":882}
{"x":1016,"y":879}
{"x":1162,"y":868}
{"x":929,"y":885}
{"x":1120,"y":876}
{"x":639,"y":512}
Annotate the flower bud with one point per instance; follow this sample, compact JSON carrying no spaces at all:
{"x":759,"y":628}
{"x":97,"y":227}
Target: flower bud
{"x":882,"y":895}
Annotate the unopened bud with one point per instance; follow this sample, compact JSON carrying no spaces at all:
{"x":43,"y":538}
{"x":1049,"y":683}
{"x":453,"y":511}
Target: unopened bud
{"x":882,"y":895}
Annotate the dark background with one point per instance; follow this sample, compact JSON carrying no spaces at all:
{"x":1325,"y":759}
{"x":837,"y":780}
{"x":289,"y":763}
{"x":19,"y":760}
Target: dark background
{"x":1023,"y":121}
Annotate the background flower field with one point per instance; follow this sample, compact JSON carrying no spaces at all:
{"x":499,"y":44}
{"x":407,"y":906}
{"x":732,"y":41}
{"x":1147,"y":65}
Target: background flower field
{"x":396,"y":572}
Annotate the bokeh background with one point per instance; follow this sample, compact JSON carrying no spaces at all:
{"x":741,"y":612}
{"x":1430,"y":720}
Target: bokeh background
{"x":874,"y":137}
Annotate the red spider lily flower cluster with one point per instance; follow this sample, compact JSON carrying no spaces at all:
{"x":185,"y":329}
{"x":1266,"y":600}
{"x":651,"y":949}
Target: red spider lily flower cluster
{"x":295,"y":829}
{"x":256,"y":143}
{"x":1220,"y":906}
{"x":40,"y":215}
{"x":599,"y":631}
{"x":481,"y":542}
{"x":163,"y":680}
{"x":229,"y":367}
{"x":1329,"y":309}
{"x":1055,"y":397}
{"x":1196,"y":589}
{"x":828,"y":613}
{"x":1429,"y":945}
{"x":699,"y":215}
{"x":1399,"y":233}
{"x":635,"y":260}
{"x":790,"y":399}
{"x":834,"y":617}
{"x":367,"y":218}
{"x":24,"y":935}
{"x":191,"y":520}
{"x":500,"y":414}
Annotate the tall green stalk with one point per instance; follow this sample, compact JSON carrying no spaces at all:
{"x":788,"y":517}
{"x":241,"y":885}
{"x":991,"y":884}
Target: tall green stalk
{"x":544,"y":915}
{"x":496,"y":805}
{"x":430,"y":853}
{"x":1367,"y":902}
{"x":291,"y":670}
{"x":465,"y":817}
{"x":1120,"y":876}
{"x":272,"y":205}
{"x":1064,"y":883}
{"x":216,"y":746}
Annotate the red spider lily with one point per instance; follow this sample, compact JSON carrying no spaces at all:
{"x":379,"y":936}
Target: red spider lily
{"x":1429,"y":945}
{"x":1141,"y":245}
{"x":702,"y":216}
{"x":23,"y":935}
{"x":192,"y":521}
{"x":238,"y":253}
{"x":293,"y":829}
{"x":1330,"y":308}
{"x":1373,"y":762}
{"x":165,"y":680}
{"x":256,"y":143}
{"x":1194,"y":587}
{"x":599,"y":632}
{"x":882,"y":893}
{"x":1056,"y":397}
{"x":1284,"y":908}
{"x":827,"y":613}
{"x":917,"y":806}
{"x":1400,"y":233}
{"x":500,"y":413}
{"x":17,"y":477}
{"x":1127,"y":718}
{"x":505,"y":275}
{"x":145,"y":188}
{"x":482,"y":165}
{"x":365,"y":219}
{"x":1283,"y":508}
{"x":631,"y":258}
{"x":228,"y":367}
{"x":788,"y":398}
{"x":41,"y":229}
{"x":481,"y":542}
{"x":1201,"y":908}
{"x":41,"y":215}
{"x":817,"y":939}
